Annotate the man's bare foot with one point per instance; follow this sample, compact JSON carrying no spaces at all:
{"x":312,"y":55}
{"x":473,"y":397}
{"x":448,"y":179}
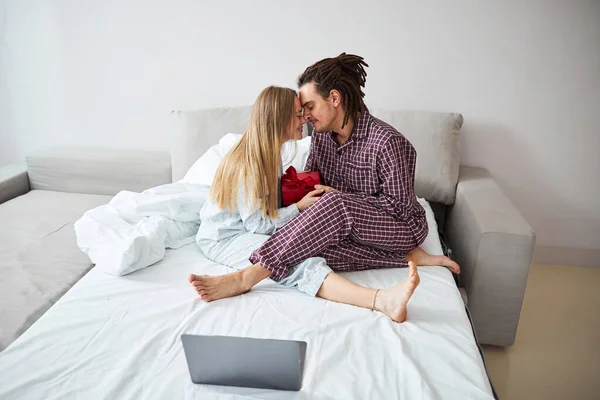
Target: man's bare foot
{"x":211,"y":288}
{"x":422,"y":258}
{"x":392,"y":302}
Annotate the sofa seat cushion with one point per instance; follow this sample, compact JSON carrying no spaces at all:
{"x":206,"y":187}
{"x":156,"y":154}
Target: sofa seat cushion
{"x":39,"y":257}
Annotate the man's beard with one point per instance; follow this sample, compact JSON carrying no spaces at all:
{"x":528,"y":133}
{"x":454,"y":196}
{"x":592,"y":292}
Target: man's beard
{"x":320,"y":128}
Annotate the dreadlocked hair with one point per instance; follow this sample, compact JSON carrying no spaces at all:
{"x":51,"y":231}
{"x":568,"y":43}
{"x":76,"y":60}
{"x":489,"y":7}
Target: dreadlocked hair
{"x":344,"y":73}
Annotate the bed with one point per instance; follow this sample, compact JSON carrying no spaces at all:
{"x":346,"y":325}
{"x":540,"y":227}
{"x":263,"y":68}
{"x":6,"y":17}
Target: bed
{"x":119,"y":337}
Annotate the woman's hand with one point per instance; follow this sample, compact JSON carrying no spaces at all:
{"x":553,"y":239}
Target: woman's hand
{"x":310,"y":199}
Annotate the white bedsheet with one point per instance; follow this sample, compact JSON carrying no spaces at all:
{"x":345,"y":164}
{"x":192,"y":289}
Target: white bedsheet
{"x":115,"y":337}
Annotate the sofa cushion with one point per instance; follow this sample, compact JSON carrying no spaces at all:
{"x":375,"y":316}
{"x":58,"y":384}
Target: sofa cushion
{"x":39,"y":257}
{"x":197,"y":130}
{"x":434,"y":135}
{"x":97,"y":170}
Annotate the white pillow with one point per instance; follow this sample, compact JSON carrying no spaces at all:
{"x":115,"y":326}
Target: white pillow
{"x":204,"y":169}
{"x":295,"y":153}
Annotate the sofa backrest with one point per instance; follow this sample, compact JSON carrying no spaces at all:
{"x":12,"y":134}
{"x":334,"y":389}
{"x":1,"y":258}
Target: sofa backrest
{"x":436,"y":138}
{"x":97,"y":170}
{"x":434,"y":135}
{"x":196,"y":130}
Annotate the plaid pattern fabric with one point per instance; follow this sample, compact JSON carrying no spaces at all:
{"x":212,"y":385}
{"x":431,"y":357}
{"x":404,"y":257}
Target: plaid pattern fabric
{"x":375,"y":219}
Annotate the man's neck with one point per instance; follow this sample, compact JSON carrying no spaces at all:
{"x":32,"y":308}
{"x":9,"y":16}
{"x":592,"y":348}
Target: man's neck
{"x":343,"y":134}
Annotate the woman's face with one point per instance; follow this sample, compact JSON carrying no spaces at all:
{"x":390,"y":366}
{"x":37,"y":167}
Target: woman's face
{"x":295,"y":132}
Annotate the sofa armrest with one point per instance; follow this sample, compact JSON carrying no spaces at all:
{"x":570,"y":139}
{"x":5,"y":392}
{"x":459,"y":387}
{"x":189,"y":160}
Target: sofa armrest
{"x":13,"y":182}
{"x":493,"y":244}
{"x":93,"y":170}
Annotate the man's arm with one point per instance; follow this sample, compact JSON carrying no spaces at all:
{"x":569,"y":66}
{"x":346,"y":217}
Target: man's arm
{"x":396,"y":170}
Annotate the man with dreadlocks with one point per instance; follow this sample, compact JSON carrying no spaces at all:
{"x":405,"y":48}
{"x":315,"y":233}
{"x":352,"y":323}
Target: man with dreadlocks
{"x":369,"y":216}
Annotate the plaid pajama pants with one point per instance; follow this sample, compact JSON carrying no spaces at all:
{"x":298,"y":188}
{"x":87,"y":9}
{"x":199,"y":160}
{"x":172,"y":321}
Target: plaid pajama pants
{"x":349,"y":233}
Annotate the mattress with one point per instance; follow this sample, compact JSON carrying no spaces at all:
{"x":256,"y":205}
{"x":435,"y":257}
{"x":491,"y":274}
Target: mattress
{"x":119,"y":338}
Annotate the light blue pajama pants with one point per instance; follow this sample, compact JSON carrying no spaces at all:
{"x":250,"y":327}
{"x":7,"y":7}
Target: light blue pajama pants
{"x":235,"y":251}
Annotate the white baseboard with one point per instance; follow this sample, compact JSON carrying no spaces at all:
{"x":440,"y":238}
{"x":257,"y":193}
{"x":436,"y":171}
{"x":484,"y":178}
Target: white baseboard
{"x":566,"y":256}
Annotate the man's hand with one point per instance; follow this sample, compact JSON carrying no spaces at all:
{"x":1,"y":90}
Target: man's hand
{"x":326,"y":189}
{"x":310,"y":199}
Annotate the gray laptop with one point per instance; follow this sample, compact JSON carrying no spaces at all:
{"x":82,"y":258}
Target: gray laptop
{"x":245,"y":362}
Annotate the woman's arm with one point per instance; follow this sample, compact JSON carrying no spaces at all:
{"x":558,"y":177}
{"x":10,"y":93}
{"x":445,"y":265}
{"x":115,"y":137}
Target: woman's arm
{"x":254,"y":221}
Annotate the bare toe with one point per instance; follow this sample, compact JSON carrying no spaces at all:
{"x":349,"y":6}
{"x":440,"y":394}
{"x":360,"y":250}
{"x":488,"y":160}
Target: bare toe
{"x":454,"y":267}
{"x":211,"y":288}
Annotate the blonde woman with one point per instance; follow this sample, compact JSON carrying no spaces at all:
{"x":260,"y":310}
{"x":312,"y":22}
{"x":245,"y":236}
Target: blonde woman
{"x":243,"y":210}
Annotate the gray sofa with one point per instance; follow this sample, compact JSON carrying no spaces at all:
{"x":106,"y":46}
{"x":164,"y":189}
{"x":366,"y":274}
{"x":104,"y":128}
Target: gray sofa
{"x":40,"y":202}
{"x":40,"y":260}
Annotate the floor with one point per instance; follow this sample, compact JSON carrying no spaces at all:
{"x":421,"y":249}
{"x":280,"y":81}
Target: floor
{"x":556,"y":354}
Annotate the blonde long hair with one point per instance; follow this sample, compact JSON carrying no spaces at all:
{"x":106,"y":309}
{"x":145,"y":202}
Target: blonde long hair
{"x":256,"y":158}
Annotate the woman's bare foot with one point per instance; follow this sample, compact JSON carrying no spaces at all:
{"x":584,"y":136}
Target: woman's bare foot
{"x":212,"y":288}
{"x":422,"y":258}
{"x":392,"y":302}
{"x":218,"y":287}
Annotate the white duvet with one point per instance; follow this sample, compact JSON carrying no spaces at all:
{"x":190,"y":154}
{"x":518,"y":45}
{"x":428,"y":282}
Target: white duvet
{"x":133,"y":230}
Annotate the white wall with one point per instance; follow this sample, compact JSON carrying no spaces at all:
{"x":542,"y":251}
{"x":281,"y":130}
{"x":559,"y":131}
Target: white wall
{"x":525,"y":74}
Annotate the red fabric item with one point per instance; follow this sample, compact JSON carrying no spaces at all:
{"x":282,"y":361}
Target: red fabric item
{"x":294,"y":185}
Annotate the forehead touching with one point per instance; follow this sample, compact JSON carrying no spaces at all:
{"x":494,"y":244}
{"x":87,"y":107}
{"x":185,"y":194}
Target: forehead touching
{"x":297,"y":105}
{"x":308,"y":94}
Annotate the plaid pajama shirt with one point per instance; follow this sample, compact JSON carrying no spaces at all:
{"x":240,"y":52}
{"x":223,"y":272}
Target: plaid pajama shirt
{"x":374,"y":219}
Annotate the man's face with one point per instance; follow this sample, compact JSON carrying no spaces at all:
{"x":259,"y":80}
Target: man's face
{"x":319,"y":111}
